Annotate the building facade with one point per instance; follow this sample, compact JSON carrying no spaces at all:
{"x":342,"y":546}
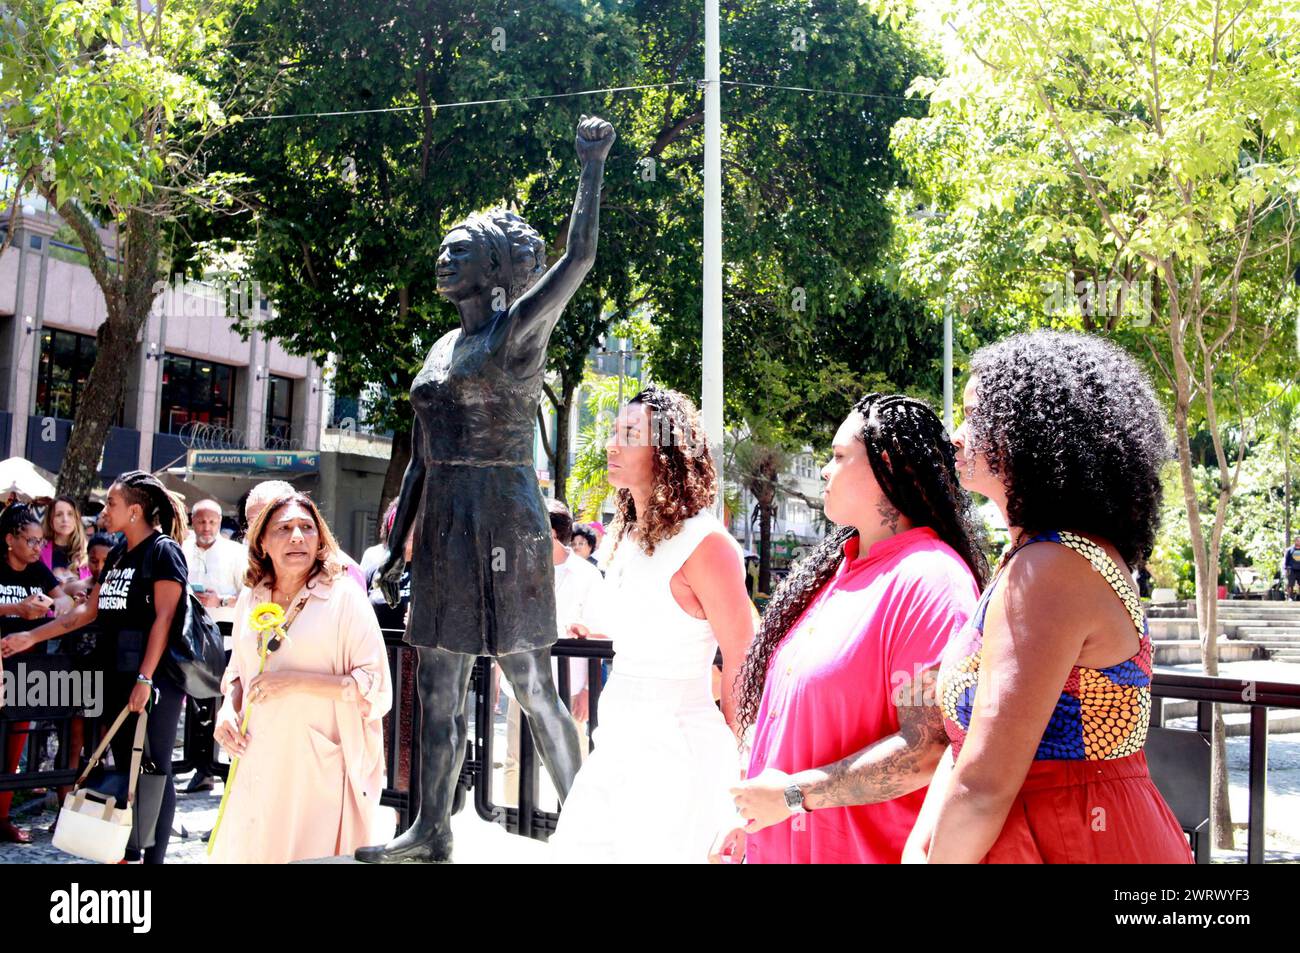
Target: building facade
{"x":191,"y":382}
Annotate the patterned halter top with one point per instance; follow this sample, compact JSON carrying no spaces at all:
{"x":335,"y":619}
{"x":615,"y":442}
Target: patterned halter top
{"x":1102,"y":713}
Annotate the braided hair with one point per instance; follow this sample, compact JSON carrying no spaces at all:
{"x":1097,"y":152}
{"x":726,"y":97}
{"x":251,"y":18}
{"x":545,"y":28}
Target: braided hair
{"x":915,"y":464}
{"x":161,"y":507}
{"x":15,"y":517}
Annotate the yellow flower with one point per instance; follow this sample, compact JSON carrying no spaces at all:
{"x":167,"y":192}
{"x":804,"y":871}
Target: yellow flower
{"x":267,"y":616}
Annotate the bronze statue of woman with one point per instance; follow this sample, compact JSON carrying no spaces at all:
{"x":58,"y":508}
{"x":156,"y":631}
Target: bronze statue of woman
{"x":482,"y":577}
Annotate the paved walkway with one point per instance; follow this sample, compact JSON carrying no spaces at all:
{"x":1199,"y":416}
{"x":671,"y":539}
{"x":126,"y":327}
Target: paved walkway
{"x":479,"y":841}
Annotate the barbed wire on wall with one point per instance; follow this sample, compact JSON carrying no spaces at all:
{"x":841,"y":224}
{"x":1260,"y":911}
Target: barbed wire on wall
{"x":197,"y":435}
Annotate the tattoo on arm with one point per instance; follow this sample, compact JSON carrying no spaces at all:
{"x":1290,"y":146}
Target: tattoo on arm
{"x":891,"y":767}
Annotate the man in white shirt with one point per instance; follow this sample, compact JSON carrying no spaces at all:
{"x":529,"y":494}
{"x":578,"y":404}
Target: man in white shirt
{"x":575,"y":580}
{"x":217,"y":565}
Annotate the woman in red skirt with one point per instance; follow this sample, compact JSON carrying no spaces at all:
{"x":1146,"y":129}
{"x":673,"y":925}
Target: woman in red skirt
{"x":1046,"y":694}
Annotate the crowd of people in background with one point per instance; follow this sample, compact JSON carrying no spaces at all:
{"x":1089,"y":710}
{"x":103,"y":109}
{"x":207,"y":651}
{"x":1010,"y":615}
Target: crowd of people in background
{"x":899,"y":700}
{"x":108,"y":594}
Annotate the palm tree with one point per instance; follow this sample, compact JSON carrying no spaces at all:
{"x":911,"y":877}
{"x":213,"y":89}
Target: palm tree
{"x":758,"y":465}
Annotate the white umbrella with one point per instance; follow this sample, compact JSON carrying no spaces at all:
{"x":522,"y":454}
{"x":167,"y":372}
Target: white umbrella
{"x":20,"y":476}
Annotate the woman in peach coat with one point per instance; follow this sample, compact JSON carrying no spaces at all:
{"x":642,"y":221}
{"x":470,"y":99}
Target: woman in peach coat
{"x":312,"y":759}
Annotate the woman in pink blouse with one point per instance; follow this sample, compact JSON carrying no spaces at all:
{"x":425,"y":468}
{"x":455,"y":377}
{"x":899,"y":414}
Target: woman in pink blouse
{"x":838,"y":685}
{"x":312,"y":760}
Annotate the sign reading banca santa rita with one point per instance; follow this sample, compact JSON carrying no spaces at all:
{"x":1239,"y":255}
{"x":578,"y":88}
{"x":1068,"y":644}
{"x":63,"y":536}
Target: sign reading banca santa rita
{"x":281,"y":461}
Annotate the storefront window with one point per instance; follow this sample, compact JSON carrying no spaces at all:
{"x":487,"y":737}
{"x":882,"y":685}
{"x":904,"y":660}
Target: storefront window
{"x":195,"y":391}
{"x":279,"y":412}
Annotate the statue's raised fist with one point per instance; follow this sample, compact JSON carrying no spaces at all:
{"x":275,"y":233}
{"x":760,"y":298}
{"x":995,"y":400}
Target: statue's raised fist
{"x":594,"y":138}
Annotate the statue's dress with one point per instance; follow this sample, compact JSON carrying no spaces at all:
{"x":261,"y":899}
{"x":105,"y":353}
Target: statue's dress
{"x":482,"y":581}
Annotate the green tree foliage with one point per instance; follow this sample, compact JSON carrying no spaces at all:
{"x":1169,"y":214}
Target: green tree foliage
{"x":808,"y":327}
{"x":1150,"y":142}
{"x":349,"y":210}
{"x":108,"y":113}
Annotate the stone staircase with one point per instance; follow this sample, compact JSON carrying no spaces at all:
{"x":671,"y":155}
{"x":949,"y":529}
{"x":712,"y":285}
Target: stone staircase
{"x":1236,"y":718}
{"x":1247,"y":630}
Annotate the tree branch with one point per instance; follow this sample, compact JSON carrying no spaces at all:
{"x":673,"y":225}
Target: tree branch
{"x":91,"y":243}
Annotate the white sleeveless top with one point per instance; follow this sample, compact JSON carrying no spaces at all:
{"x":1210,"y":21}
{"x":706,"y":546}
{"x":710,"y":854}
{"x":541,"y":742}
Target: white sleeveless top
{"x":653,"y":636}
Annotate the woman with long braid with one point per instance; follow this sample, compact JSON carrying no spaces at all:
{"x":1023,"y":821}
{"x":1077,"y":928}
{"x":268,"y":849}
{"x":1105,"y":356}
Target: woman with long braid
{"x":837,"y":686}
{"x":136,"y":601}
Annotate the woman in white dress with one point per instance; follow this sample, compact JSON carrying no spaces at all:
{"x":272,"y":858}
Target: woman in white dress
{"x":656,"y":784}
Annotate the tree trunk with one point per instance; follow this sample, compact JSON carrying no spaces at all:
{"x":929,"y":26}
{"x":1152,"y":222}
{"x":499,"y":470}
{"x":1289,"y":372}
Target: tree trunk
{"x":560,"y":457}
{"x":1286,"y":495}
{"x":127,"y":302}
{"x":397,"y":463}
{"x":1207,"y":624}
{"x":1207,"y":583}
{"x":765,"y":544}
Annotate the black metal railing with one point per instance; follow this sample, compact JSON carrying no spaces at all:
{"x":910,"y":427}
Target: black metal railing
{"x":1181,"y":765}
{"x":1179,"y":757}
{"x":36,"y":724}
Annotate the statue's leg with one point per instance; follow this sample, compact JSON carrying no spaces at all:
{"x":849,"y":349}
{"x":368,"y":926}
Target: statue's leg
{"x":553,"y":729}
{"x":443,"y":680}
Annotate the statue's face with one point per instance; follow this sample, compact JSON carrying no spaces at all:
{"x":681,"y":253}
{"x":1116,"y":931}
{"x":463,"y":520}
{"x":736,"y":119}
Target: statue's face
{"x":464,"y":265}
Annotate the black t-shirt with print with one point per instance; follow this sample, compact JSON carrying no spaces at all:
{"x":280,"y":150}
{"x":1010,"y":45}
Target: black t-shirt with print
{"x":16,"y":586}
{"x":126,"y":608}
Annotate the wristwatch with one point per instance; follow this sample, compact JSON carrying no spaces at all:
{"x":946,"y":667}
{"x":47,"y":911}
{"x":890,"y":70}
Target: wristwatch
{"x":794,"y":800}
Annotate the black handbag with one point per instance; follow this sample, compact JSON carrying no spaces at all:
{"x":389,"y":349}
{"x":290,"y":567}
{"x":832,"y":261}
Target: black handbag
{"x":196,"y":651}
{"x":82,"y":645}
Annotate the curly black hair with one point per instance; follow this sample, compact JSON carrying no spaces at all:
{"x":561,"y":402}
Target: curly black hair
{"x":1071,"y":425}
{"x":915,"y":464}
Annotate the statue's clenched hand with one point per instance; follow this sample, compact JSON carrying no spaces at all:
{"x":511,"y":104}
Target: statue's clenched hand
{"x":594,"y":139}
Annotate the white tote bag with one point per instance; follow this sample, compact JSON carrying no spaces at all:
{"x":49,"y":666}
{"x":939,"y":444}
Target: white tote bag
{"x":93,"y":825}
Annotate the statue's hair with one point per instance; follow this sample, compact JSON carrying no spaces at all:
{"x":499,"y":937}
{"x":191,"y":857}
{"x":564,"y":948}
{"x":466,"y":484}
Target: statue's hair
{"x":486,"y":229}
{"x":518,"y":233}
